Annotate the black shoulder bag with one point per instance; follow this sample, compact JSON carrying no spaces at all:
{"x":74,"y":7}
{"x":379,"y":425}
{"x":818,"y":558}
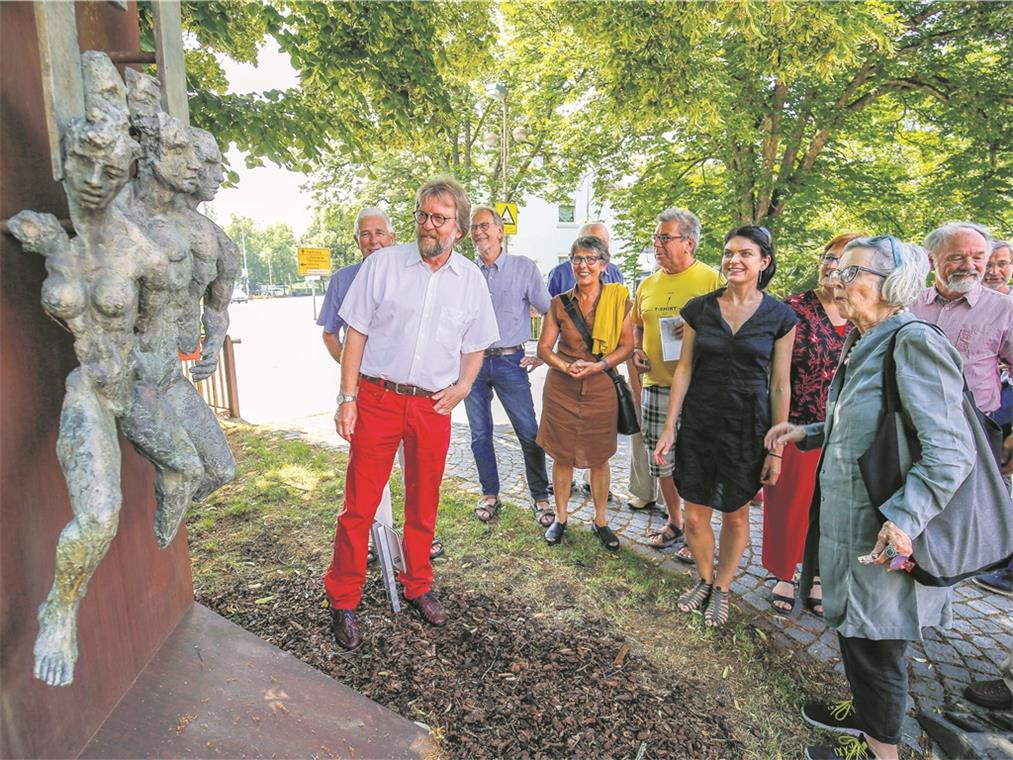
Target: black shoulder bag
{"x":974,"y":532}
{"x":627,"y":422}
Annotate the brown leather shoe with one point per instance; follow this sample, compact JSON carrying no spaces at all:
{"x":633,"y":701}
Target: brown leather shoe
{"x":345,"y":628}
{"x":429,"y":607}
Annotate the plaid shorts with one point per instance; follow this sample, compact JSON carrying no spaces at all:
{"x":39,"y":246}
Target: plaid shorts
{"x":654,"y":407}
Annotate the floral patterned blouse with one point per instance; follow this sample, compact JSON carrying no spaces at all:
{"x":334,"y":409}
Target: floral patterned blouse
{"x":814,"y":358}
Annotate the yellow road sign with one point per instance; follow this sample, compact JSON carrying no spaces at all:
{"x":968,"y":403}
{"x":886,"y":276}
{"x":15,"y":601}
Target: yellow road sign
{"x":314,"y":259}
{"x":509,"y":213}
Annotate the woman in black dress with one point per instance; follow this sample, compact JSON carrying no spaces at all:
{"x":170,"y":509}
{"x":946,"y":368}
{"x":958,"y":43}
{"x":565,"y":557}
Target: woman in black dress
{"x":731,"y":384}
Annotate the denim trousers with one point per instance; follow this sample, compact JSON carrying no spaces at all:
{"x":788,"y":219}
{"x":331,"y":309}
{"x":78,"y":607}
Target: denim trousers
{"x":505,"y":376}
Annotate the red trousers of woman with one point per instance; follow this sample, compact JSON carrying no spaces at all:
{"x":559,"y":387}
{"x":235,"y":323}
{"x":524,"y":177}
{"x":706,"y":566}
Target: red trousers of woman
{"x":786,"y":511}
{"x":385,"y":419}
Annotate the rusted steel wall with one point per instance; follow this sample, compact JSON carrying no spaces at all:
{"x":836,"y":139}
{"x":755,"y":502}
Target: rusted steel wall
{"x":139,"y":593}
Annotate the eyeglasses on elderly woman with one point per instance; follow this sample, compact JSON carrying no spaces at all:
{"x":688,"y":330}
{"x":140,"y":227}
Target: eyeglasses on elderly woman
{"x":848,"y":274}
{"x":585,"y":259}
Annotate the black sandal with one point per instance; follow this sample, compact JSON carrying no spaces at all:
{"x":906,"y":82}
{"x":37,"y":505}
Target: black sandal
{"x":717,"y":608}
{"x":555,"y":532}
{"x":608,"y":539}
{"x":491,"y":510}
{"x":789,"y":600}
{"x":437,"y":548}
{"x":544,"y":516}
{"x":695,"y":598}
{"x":812,"y":602}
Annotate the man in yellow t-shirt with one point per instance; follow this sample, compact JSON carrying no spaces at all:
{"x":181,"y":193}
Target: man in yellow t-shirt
{"x":657,"y":334}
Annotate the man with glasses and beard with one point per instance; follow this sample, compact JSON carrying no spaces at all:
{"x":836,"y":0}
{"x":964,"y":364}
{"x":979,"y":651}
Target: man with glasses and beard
{"x":419,"y":318}
{"x":977,"y":320}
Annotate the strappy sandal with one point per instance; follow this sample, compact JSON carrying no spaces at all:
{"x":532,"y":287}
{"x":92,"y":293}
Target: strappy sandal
{"x":490,"y":509}
{"x":814,"y":602}
{"x":544,"y":516}
{"x":684,"y":555}
{"x":662,"y":539}
{"x":776,"y":598}
{"x":437,"y":548}
{"x":608,"y":539}
{"x":717,"y":608}
{"x":695,"y":598}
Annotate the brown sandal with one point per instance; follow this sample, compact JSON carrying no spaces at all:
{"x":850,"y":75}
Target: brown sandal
{"x":491,"y":510}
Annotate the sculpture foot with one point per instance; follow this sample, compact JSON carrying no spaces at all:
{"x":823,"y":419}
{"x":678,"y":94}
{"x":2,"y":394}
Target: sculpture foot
{"x":167,"y":522}
{"x":56,"y":645}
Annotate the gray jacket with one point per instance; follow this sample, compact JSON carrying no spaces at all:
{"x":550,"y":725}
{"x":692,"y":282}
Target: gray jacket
{"x":866,"y":601}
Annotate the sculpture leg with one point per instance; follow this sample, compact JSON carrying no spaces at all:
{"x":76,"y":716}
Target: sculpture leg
{"x":154,"y":427}
{"x":207,"y":437}
{"x":89,"y":455}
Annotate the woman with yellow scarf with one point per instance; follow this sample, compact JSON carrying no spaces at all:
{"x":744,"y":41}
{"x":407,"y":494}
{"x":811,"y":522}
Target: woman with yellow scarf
{"x":579,"y":405}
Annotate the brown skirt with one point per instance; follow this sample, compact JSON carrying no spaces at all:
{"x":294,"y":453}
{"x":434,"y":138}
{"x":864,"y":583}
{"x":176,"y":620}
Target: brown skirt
{"x":578,"y":424}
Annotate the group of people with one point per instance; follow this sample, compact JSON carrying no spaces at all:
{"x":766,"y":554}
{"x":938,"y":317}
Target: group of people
{"x":737,"y":392}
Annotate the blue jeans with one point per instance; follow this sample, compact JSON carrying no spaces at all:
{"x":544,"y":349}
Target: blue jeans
{"x":509,"y":379}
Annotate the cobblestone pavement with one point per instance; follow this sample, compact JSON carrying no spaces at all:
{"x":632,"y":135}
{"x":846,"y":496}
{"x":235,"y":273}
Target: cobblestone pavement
{"x":939,"y":667}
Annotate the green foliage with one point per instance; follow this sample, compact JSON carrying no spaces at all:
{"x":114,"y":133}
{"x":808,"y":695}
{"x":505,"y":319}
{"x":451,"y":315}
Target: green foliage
{"x":811,"y":118}
{"x":270,"y":250}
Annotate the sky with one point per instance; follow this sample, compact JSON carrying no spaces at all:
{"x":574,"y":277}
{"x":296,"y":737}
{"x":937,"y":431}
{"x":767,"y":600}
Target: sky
{"x":268,"y":194}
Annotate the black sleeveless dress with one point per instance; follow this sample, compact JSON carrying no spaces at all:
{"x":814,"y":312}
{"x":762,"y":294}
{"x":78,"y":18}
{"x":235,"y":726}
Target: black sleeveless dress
{"x":719,"y":450}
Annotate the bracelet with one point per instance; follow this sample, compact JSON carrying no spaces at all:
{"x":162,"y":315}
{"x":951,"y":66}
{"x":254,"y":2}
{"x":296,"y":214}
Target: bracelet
{"x":606,"y":363}
{"x":772,"y":454}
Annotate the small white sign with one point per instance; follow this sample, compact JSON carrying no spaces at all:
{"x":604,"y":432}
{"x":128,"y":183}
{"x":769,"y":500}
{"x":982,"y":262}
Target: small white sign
{"x":671,"y":341}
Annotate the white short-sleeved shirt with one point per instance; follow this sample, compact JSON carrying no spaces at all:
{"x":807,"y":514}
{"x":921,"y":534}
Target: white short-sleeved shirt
{"x":418,"y":322}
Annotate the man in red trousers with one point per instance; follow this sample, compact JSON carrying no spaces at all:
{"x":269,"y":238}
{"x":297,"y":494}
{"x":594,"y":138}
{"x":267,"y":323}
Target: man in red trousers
{"x":419,"y":318}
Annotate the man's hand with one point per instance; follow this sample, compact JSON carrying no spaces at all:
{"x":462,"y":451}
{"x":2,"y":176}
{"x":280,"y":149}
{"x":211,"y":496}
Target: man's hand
{"x":345,"y":418}
{"x":204,"y":367}
{"x":677,"y":329}
{"x":531,"y":362}
{"x":640,"y":360}
{"x":890,"y":535}
{"x":449,"y":397}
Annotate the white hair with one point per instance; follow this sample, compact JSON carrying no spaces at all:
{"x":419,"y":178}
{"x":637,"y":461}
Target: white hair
{"x":997,"y":244}
{"x":936,"y":239}
{"x":689,"y":223}
{"x":368,"y":212}
{"x":906,"y":279}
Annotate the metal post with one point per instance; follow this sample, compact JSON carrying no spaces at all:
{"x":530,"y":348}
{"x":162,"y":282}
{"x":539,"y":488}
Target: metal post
{"x":313,"y":292}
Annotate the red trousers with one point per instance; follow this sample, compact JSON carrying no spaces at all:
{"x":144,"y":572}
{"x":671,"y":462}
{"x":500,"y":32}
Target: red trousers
{"x":786,"y":511}
{"x":385,"y":419}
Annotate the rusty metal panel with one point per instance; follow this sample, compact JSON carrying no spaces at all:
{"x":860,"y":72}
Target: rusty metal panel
{"x":215,"y":690}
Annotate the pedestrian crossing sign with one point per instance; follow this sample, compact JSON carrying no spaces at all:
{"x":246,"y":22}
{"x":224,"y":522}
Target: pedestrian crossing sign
{"x":508,"y":212}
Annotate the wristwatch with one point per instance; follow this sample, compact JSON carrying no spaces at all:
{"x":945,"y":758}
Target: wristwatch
{"x":344,"y":398}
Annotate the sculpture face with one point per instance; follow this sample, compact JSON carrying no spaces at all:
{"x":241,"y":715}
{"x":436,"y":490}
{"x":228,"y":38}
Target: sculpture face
{"x":210,"y":176}
{"x":97,"y":161}
{"x":176,"y":164}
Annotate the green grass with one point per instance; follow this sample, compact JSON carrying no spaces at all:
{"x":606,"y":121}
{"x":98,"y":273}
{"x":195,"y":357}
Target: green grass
{"x":287,"y":494}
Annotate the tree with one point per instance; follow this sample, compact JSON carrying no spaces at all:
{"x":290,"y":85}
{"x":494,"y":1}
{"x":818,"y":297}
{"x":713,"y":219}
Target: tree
{"x":270,"y":251}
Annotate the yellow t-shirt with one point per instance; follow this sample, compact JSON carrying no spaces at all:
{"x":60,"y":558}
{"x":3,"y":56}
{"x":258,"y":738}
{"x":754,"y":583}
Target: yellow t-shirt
{"x":663,"y":295}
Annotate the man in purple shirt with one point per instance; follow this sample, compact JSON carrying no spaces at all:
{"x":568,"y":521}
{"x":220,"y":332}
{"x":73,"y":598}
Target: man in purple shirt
{"x":373,"y":231}
{"x":977,"y":320}
{"x":516,"y":287}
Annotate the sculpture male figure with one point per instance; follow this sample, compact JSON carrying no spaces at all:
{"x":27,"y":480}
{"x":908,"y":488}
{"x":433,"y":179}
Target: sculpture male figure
{"x":93,"y":286}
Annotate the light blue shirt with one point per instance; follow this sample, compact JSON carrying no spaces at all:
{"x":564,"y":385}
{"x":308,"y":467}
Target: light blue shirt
{"x":337,"y":288}
{"x":515,"y":286}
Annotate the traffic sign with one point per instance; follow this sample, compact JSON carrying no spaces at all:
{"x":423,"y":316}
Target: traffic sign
{"x":508,"y":212}
{"x":314,"y":259}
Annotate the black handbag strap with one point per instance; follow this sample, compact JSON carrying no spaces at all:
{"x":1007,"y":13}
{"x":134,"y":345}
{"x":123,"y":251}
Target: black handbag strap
{"x":578,"y":320}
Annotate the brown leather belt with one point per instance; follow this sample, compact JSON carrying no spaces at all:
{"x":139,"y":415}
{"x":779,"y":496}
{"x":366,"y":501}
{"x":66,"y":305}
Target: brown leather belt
{"x":505,"y":351}
{"x":401,"y":389}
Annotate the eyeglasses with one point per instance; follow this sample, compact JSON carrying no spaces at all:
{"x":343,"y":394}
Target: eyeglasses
{"x":848,"y":274}
{"x":438,"y":220}
{"x":999,"y":265}
{"x":585,"y":259}
{"x":666,"y":239}
{"x":482,"y":227}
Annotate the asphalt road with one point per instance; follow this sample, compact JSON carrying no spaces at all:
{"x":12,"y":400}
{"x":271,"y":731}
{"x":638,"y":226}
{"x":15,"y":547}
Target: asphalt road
{"x":286,"y":377}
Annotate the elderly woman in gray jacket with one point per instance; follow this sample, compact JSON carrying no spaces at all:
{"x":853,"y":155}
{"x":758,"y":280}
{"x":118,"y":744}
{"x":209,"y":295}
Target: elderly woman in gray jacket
{"x":877,"y":611}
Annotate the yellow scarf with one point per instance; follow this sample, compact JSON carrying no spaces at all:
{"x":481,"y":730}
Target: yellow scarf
{"x":608,"y":318}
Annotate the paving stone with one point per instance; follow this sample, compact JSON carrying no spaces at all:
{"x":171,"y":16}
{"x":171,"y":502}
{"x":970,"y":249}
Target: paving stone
{"x":941,"y":651}
{"x":957,"y":673}
{"x":799,"y":634}
{"x":966,"y":648}
{"x":929,"y":690}
{"x":822,"y":650}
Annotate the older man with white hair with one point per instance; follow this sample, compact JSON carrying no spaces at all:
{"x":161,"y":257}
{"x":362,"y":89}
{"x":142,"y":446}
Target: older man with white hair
{"x":978,"y":321}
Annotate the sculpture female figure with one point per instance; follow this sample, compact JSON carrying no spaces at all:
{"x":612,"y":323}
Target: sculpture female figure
{"x":92,"y":286}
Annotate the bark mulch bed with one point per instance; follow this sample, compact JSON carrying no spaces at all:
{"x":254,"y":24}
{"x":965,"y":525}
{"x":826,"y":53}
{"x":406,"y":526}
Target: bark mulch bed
{"x":503,"y":679}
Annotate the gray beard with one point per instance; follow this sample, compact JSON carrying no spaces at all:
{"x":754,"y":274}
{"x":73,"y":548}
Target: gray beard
{"x":961,"y":284}
{"x":434,"y":251}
